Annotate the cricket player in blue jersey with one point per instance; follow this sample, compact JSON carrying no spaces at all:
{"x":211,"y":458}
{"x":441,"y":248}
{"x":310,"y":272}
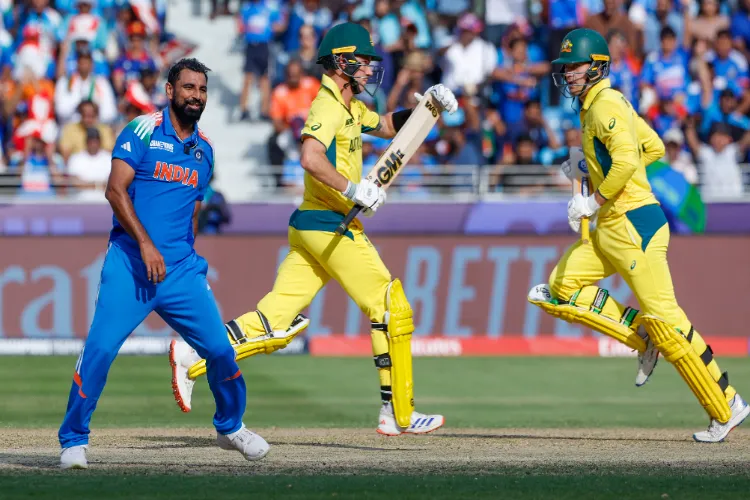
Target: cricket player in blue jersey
{"x":161,"y":167}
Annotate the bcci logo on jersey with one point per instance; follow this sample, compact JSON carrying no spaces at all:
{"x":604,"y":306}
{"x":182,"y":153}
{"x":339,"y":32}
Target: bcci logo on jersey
{"x":164,"y":146}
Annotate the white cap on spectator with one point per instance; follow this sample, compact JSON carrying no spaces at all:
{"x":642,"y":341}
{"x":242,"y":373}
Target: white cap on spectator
{"x":83,"y":27}
{"x":674,"y":135}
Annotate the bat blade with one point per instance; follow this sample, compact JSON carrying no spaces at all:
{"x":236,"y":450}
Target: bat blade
{"x":403,"y":146}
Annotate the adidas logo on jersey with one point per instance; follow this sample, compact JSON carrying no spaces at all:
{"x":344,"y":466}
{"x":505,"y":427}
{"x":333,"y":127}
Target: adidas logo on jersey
{"x":126,"y":147}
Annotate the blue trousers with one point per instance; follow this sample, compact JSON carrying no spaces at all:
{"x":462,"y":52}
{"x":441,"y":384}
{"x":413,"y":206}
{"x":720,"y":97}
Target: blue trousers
{"x":185,"y":301}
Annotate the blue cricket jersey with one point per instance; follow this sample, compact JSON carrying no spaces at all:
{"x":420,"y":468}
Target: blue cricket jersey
{"x":166,"y":185}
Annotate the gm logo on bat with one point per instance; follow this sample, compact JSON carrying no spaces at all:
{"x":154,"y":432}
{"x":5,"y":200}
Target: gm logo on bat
{"x":392,"y":164}
{"x":431,"y":107}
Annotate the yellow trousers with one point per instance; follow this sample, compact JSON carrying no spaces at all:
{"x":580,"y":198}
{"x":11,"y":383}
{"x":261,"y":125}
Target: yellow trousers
{"x":634,"y":246}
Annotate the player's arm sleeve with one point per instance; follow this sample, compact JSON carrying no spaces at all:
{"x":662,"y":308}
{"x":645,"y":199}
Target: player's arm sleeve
{"x":370,"y":120}
{"x":322,"y":122}
{"x":129,"y":147}
{"x":652,"y":147}
{"x":615,"y":146}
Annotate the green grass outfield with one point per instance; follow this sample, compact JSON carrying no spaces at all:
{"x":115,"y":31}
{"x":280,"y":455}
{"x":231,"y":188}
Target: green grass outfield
{"x":299,"y":392}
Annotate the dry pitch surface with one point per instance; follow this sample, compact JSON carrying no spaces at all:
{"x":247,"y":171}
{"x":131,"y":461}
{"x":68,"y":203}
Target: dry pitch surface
{"x":355,"y":451}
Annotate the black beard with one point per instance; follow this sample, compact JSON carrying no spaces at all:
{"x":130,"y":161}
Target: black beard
{"x":186,"y":115}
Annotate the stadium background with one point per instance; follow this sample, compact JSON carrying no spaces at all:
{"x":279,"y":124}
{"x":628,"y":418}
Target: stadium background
{"x":475,"y":221}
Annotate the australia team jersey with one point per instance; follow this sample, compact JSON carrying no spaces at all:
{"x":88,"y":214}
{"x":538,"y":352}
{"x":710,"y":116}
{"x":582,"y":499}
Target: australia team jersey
{"x":340,"y":130}
{"x":167,"y":183}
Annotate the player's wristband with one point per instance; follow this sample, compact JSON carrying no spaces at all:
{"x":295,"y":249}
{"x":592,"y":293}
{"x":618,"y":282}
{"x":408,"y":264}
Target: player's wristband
{"x":351,"y":188}
{"x":400,"y":117}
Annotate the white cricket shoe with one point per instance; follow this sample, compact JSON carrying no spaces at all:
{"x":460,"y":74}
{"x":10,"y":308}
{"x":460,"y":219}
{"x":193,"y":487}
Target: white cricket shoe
{"x":646,"y":363}
{"x":251,"y":445}
{"x":182,"y":357}
{"x":74,"y":457}
{"x":420,"y":423}
{"x":717,"y":431}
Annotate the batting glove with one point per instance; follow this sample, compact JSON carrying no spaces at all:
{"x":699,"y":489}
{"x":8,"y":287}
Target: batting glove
{"x":366,"y":194}
{"x":443,"y":95}
{"x":579,"y":207}
{"x":575,"y":167}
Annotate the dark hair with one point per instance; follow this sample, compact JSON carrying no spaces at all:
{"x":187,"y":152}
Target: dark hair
{"x":515,"y":41}
{"x":524,"y":138}
{"x":191,"y":64}
{"x":87,"y":102}
{"x":532,"y":102}
{"x":667,"y":31}
{"x":724,"y":33}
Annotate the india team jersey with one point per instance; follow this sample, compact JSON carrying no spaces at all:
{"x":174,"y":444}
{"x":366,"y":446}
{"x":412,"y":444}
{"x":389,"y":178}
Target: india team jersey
{"x":618,"y":145}
{"x":167,"y":183}
{"x":340,"y":130}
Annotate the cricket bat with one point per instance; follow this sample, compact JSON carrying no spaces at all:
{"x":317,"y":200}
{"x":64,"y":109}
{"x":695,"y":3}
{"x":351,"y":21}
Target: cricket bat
{"x":399,"y":152}
{"x":582,"y":186}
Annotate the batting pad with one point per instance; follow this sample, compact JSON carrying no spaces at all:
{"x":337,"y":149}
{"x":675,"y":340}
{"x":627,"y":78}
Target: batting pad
{"x":244,"y":347}
{"x":593,"y":307}
{"x":691,"y":366}
{"x":400,"y":327}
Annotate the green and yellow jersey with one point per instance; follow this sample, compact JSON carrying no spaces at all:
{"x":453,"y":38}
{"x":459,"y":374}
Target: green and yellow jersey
{"x":618,"y":145}
{"x":339,"y":128}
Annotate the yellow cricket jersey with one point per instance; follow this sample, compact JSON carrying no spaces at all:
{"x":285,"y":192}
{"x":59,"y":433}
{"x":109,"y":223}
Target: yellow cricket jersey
{"x":340,"y":130}
{"x":618,"y":145}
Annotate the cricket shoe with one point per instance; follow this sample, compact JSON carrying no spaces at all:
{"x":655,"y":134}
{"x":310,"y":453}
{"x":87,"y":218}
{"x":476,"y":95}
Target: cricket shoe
{"x":251,"y":445}
{"x":646,"y":363}
{"x":182,"y":357}
{"x":420,"y":423}
{"x":717,"y":431}
{"x":74,"y":457}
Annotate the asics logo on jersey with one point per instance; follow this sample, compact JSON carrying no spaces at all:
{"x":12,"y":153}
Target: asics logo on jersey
{"x":174,"y":173}
{"x":126,"y":147}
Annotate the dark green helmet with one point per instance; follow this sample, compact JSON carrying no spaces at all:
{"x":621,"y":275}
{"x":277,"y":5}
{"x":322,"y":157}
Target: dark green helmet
{"x":347,"y":38}
{"x":582,"y":46}
{"x":338,"y":49}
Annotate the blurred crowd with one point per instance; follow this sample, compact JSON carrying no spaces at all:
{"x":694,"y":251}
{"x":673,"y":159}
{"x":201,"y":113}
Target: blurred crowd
{"x":72,"y":74}
{"x":682,"y":63}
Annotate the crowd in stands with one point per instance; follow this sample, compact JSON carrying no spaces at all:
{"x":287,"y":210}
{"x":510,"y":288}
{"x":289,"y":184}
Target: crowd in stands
{"x":682,"y":63}
{"x":72,"y":74}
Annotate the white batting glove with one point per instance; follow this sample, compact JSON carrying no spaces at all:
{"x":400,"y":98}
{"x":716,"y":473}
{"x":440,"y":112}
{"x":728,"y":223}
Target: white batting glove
{"x":575,"y":167}
{"x":579,"y":207}
{"x":575,"y":224}
{"x":366,"y":194}
{"x":443,"y":95}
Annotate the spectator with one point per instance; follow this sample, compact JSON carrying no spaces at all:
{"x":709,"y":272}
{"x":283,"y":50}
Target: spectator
{"x":665,"y":73}
{"x":290,"y":101}
{"x":729,"y":65}
{"x":150,"y":82}
{"x":410,"y":79}
{"x":83,"y":85}
{"x":258,"y":21}
{"x":534,"y":126}
{"x":214,"y":212}
{"x":623,"y":70}
{"x":725,"y":112}
{"x":387,"y":25}
{"x":304,"y":12}
{"x":470,"y":60}
{"x":740,"y":27}
{"x":73,"y":135}
{"x":500,"y":14}
{"x":37,"y":15}
{"x":90,"y":168}
{"x":32,"y":56}
{"x":572,"y":139}
{"x":676,"y":156}
{"x":135,"y":102}
{"x":128,"y":67}
{"x":37,"y":123}
{"x":664,"y":15}
{"x":77,"y":43}
{"x":613,"y":17}
{"x":718,"y":165}
{"x":709,"y":21}
{"x":84,"y":23}
{"x":38,"y":169}
{"x":517,"y":84}
{"x":307,"y":54}
{"x":459,"y":144}
{"x":412,"y":13}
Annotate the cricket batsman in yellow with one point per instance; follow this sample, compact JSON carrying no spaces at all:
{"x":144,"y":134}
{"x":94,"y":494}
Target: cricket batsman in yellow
{"x":332,"y":158}
{"x":631,"y":239}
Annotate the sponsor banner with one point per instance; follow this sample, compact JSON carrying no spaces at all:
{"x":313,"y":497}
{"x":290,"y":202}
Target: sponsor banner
{"x":528,"y":217}
{"x":66,"y":347}
{"x":458,"y":287}
{"x":340,"y":345}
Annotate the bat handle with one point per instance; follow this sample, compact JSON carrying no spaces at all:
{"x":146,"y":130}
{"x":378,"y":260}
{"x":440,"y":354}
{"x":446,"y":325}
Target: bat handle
{"x":585,"y":230}
{"x":348,"y":219}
